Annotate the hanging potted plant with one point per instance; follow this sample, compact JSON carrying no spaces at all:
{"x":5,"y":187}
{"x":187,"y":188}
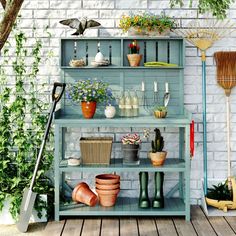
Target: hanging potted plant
{"x":147,"y":24}
{"x":89,"y":92}
{"x":157,"y":155}
{"x":130,"y":147}
{"x":134,"y":57}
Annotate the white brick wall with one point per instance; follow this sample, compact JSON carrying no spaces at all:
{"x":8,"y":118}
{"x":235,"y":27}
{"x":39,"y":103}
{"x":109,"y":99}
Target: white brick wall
{"x":49,"y":12}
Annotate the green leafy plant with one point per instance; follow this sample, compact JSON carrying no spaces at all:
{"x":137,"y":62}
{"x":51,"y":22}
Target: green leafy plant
{"x":220,"y":192}
{"x":160,"y":108}
{"x":158,"y":142}
{"x":147,"y":21}
{"x":218,"y":8}
{"x":90,"y":90}
{"x":22,"y":123}
{"x":134,"y":47}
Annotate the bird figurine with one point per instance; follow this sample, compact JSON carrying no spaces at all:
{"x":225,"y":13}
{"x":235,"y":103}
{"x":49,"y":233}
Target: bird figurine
{"x":80,"y":25}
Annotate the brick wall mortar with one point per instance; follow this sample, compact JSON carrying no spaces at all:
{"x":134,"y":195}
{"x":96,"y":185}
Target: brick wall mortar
{"x":44,"y":13}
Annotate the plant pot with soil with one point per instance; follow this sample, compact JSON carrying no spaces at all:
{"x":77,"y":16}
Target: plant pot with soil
{"x":130,"y":148}
{"x":134,"y":57}
{"x":157,"y":155}
{"x":160,"y":112}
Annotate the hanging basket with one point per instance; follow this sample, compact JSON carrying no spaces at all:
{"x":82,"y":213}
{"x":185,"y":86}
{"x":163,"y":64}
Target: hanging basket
{"x":224,"y":205}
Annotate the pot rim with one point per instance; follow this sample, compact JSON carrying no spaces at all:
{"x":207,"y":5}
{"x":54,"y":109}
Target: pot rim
{"x":108,"y":192}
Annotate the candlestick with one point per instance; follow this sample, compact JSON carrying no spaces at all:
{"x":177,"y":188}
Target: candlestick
{"x":143,"y":86}
{"x":155,"y":86}
{"x":167,"y":88}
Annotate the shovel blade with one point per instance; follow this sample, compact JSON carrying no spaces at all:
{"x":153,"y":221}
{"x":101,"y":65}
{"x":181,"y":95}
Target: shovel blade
{"x":26,"y":208}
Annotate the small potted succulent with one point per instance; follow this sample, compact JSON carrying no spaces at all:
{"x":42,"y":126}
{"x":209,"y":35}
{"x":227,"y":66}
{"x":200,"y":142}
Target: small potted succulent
{"x":157,"y":155}
{"x":147,"y":24}
{"x":130,"y":146}
{"x":134,"y":57}
{"x":160,"y":111}
{"x":89,"y":92}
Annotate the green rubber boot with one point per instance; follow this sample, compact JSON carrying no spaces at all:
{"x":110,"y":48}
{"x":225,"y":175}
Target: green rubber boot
{"x":158,"y":201}
{"x":143,"y":197}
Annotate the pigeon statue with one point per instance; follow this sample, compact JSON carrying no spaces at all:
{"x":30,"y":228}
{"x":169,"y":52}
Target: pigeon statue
{"x":80,"y":25}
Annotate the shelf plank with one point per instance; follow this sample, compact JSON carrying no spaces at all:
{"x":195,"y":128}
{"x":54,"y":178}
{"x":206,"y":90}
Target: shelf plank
{"x":128,"y":226}
{"x":123,"y":67}
{"x":129,"y":207}
{"x":147,"y":227}
{"x":77,"y":120}
{"x":91,"y":227}
{"x":110,"y":227}
{"x":170,"y":165}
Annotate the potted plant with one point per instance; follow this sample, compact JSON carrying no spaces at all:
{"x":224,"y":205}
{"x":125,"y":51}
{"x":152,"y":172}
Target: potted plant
{"x":157,"y":155}
{"x":134,"y":57}
{"x":89,"y":92}
{"x":147,"y":24}
{"x":160,"y":111}
{"x":130,"y":147}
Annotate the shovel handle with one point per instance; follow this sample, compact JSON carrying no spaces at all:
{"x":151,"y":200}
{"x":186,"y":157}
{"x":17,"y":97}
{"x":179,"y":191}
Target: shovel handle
{"x":56,"y":97}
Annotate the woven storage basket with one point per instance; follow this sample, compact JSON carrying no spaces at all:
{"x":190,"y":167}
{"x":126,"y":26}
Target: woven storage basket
{"x":96,"y":150}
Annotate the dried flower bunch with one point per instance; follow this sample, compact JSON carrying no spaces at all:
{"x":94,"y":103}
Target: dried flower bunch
{"x":134,"y":47}
{"x":131,"y":139}
{"x":147,"y":21}
{"x":89,"y":90}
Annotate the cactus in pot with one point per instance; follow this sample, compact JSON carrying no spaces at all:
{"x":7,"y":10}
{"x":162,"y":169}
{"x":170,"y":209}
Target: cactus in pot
{"x":157,"y":154}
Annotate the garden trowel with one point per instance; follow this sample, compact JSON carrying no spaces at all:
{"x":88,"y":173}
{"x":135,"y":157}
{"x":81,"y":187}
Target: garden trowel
{"x":29,"y":196}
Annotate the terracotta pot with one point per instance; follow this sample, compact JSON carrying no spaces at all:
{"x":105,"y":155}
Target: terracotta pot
{"x":107,"y":186}
{"x":107,"y":198}
{"x":82,"y":193}
{"x":158,"y":158}
{"x":134,"y":59}
{"x":88,"y":109}
{"x":160,"y":114}
{"x":107,"y":179}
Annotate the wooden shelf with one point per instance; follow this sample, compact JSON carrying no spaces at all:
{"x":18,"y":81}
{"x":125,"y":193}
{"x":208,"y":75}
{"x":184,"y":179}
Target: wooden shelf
{"x":122,"y":67}
{"x":128,"y":207}
{"x":171,"y":165}
{"x":140,"y":121}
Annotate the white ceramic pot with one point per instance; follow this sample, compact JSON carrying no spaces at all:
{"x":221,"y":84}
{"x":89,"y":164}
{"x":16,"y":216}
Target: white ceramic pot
{"x":99,"y":57}
{"x":110,"y":111}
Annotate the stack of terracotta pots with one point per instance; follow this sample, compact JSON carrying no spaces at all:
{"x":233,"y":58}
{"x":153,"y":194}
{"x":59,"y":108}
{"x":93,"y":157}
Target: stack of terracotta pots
{"x":107,"y":187}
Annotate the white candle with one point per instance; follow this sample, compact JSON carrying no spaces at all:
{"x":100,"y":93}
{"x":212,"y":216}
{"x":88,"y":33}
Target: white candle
{"x":167,"y":88}
{"x":143,"y":86}
{"x":155,"y":86}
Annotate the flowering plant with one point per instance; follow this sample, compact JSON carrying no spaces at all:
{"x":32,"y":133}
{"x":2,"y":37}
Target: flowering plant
{"x":90,"y":90}
{"x":134,"y":47}
{"x":131,"y":139}
{"x":147,"y":21}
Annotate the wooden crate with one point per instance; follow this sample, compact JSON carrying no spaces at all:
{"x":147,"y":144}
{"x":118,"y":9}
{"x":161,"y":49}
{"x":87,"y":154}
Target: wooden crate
{"x":96,"y":150}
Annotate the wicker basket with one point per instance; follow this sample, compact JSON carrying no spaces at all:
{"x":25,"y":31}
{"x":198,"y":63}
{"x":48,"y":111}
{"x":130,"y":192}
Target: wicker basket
{"x":96,"y":150}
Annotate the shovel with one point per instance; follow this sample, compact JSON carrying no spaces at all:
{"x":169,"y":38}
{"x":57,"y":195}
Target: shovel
{"x":29,"y":196}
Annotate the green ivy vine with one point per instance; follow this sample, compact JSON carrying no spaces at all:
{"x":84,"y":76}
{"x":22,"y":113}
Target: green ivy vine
{"x":22,"y":123}
{"x":218,"y":8}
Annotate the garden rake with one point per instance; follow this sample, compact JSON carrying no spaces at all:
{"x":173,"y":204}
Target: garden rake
{"x":203,"y":33}
{"x":29,"y":196}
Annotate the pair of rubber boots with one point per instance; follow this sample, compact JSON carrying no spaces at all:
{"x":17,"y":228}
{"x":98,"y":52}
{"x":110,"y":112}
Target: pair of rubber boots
{"x":158,"y":201}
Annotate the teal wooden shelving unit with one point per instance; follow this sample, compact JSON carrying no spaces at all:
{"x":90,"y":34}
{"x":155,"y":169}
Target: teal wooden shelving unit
{"x":122,"y":77}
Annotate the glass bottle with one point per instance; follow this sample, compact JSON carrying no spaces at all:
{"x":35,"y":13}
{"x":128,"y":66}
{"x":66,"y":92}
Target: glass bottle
{"x":122,"y":105}
{"x":135,"y":104}
{"x":128,"y":105}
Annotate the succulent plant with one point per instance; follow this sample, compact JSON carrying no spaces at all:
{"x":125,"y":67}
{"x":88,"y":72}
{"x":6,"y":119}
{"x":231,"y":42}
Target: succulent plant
{"x":158,"y":143}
